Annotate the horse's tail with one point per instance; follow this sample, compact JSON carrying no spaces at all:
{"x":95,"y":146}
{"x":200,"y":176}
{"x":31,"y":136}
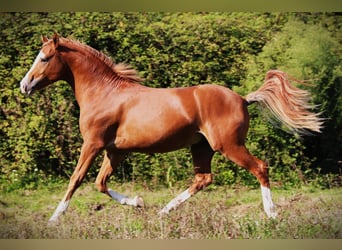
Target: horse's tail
{"x":288,"y":104}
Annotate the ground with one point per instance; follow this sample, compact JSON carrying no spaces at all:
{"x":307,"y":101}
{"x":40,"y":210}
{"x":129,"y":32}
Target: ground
{"x":216,"y":213}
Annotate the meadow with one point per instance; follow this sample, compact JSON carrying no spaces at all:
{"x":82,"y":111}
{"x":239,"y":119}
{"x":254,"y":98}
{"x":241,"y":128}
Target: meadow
{"x":215,"y":213}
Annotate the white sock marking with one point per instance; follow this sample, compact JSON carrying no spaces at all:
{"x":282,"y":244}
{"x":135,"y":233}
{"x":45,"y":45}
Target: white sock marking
{"x":124,"y":200}
{"x":118,"y":197}
{"x":269,"y":207}
{"x":62,"y":206}
{"x":175,"y":202}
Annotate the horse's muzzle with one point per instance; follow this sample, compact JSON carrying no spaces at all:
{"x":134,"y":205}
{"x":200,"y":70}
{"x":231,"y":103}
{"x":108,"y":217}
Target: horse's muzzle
{"x":27,"y":85}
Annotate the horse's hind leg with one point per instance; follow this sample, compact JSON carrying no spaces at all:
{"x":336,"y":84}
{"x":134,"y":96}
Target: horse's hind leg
{"x":202,"y":155}
{"x":240,"y":155}
{"x":110,"y":163}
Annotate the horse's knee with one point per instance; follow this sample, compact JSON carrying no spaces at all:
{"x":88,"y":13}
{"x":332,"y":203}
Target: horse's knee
{"x":201,"y":181}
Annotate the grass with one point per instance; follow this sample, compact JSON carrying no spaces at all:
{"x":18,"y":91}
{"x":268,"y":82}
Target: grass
{"x":216,"y":213}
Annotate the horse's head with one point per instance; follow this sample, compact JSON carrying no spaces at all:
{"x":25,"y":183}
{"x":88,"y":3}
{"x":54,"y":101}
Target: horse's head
{"x":46,"y":69}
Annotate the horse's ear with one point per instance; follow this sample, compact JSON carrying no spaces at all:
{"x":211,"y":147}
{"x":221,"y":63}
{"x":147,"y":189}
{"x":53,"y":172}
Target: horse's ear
{"x":44,"y":39}
{"x":55,"y":39}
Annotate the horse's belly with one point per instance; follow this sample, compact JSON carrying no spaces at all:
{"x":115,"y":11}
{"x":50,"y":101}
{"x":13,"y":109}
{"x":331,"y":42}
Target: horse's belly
{"x":156,"y":142}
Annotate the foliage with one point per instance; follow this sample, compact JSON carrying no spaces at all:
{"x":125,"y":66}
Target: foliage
{"x":39,"y":135}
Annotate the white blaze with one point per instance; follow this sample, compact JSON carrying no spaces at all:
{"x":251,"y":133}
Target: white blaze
{"x":26,"y":81}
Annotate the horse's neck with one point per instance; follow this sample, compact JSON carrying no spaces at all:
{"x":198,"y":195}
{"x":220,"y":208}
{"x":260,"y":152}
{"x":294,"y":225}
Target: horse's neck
{"x":91,"y":78}
{"x":86,"y":79}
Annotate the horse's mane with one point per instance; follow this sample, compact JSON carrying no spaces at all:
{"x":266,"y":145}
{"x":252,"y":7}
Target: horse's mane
{"x":122,"y":71}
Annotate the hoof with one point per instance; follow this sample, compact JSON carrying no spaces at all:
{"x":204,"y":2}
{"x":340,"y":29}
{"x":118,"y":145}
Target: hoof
{"x":272,"y":215}
{"x":163,"y":212}
{"x":52,"y":223}
{"x":139,"y":202}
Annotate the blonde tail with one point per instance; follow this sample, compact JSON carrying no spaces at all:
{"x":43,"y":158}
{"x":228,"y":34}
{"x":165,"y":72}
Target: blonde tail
{"x":288,"y":104}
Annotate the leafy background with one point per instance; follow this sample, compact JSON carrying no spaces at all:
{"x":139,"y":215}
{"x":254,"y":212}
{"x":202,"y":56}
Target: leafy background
{"x":39,"y":135}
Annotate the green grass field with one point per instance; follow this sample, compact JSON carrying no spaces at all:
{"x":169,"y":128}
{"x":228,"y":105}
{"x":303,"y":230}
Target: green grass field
{"x":216,"y":213}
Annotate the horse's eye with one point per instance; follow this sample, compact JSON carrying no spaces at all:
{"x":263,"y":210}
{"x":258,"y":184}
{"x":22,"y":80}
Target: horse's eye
{"x":44,"y":59}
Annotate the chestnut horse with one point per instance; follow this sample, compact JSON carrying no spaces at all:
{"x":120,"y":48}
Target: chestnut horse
{"x":119,"y":115}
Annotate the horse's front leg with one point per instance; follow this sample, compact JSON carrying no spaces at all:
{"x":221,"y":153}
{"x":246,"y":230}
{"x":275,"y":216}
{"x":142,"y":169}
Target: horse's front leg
{"x":88,"y":153}
{"x":110,"y":163}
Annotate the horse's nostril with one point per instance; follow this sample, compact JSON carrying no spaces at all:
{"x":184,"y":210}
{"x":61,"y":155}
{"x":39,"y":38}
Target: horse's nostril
{"x":32,"y":78}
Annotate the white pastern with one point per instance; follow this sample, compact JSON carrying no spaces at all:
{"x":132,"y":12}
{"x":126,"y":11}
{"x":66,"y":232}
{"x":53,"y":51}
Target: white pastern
{"x":124,"y":200}
{"x":175,"y":202}
{"x":62,"y":206}
{"x":267,"y":202}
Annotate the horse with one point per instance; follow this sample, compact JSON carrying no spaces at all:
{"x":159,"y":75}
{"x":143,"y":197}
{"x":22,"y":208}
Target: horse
{"x":119,"y":115}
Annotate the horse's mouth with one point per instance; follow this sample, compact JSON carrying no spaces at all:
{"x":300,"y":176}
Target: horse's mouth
{"x":30,"y":91}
